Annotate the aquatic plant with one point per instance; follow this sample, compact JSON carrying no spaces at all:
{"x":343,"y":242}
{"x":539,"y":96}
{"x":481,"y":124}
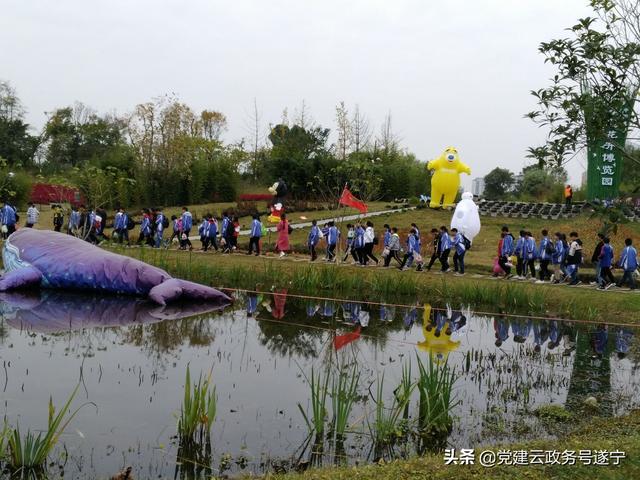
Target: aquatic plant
{"x":4,"y":439}
{"x":319,"y":386}
{"x":387,"y":424}
{"x":435,"y":387}
{"x":344,"y":386}
{"x":198,"y":410}
{"x":31,"y":451}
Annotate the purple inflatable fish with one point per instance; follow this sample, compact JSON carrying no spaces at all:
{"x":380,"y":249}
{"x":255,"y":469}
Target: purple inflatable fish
{"x":55,"y":260}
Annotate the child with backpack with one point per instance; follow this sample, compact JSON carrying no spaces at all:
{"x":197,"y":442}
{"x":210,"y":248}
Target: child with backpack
{"x":530,"y":255}
{"x":332,"y":241}
{"x":394,"y":248}
{"x":574,"y":258}
{"x":350,"y":248}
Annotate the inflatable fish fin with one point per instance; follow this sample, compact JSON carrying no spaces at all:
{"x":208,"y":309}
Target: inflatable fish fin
{"x":166,"y":292}
{"x":21,"y":277}
{"x":174,"y":288}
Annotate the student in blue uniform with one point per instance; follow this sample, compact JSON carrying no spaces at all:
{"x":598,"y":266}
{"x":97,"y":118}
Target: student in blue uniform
{"x":457,"y":242}
{"x":359,"y":244}
{"x":255,"y":235}
{"x":518,"y":251}
{"x":187,"y":225}
{"x":529,"y":255}
{"x":160,"y":221}
{"x":545,"y":253}
{"x":445,"y":249}
{"x":332,"y":241}
{"x":606,"y":260}
{"x":557,"y":258}
{"x":629,"y":264}
{"x":313,"y":239}
{"x":506,"y":250}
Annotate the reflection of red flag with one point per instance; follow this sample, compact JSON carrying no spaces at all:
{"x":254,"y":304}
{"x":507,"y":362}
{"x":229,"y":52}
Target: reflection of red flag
{"x":341,"y":340}
{"x":279,"y":300}
{"x":349,"y":200}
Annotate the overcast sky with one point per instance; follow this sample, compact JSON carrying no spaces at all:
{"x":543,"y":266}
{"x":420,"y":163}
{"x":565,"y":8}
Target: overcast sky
{"x":454,"y":72}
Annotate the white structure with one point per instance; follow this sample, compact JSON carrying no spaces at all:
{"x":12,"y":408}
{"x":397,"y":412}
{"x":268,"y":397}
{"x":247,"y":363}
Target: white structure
{"x":477,"y":186}
{"x":466,"y":217}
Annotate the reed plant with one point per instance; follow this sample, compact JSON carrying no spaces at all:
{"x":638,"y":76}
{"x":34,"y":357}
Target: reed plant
{"x":319,"y":387}
{"x":198,"y":410}
{"x":388,"y":423}
{"x":344,"y":388}
{"x":435,"y":386}
{"x":30,"y":452}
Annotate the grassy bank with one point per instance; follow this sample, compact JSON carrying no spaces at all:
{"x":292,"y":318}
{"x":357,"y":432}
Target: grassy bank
{"x":346,"y":281}
{"x":610,"y":434}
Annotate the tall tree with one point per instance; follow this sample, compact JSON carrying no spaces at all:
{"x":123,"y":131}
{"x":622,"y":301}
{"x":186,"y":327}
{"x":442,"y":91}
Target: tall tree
{"x":343,"y":127}
{"x":388,"y":140}
{"x":498,"y":183}
{"x":360,"y":130}
{"x":594,"y":89}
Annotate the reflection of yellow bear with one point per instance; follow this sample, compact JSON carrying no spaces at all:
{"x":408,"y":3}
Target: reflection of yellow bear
{"x":446,"y":178}
{"x":439,"y":345}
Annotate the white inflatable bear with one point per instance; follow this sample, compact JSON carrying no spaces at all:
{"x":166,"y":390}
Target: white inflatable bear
{"x":466,"y":217}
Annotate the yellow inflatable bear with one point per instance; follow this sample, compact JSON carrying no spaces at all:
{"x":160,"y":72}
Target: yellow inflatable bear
{"x":446,"y":177}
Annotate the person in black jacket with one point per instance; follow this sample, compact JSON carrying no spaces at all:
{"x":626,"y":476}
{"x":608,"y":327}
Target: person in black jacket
{"x":435,"y":243}
{"x":595,"y":259}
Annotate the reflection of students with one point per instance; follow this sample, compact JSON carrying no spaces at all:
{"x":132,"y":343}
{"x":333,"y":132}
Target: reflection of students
{"x":599,"y":338}
{"x":624,"y":336}
{"x":252,"y":304}
{"x":540,"y":334}
{"x":501,"y":329}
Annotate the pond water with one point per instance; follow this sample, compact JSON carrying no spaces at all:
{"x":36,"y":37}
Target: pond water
{"x":130,"y":357}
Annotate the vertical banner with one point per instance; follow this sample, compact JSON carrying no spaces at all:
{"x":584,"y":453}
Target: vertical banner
{"x":604,"y":165}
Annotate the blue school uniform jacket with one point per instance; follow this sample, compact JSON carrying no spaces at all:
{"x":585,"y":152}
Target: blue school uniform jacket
{"x":559,"y":254}
{"x":387,"y":238}
{"x":519,"y":249}
{"x":187,"y":221}
{"x":529,"y":248}
{"x":212,"y":229}
{"x":412,"y":244}
{"x":314,"y":235}
{"x":145,"y":226}
{"x":606,"y":256}
{"x":7,"y":215}
{"x":225,"y":226}
{"x":74,"y":219}
{"x":542,"y":252}
{"x":332,"y":235}
{"x":359,"y":240}
{"x":629,"y":259}
{"x":445,"y":242}
{"x":159,"y":220}
{"x":458,"y":244}
{"x":507,"y":245}
{"x":202,"y":228}
{"x":256,"y":228}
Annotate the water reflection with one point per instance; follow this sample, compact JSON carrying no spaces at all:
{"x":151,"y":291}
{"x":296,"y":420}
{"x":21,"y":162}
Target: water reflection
{"x":259,"y":349}
{"x":53,"y":311}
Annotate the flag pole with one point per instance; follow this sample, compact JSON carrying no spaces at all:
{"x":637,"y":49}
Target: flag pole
{"x":338,"y":251}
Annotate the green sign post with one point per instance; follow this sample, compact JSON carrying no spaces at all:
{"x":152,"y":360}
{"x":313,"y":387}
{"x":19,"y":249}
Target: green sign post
{"x":604,"y":166}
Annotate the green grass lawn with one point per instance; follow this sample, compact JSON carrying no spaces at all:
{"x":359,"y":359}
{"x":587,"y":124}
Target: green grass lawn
{"x":621,"y":434}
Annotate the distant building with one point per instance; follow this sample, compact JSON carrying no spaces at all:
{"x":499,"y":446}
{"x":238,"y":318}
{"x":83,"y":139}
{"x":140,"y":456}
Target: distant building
{"x":477,"y":186}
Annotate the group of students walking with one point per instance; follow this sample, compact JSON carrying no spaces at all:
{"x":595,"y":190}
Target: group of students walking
{"x":362,"y":239}
{"x":560,"y":259}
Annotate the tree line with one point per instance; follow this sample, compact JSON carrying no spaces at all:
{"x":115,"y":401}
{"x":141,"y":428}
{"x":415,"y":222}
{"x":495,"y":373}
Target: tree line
{"x":165,"y":153}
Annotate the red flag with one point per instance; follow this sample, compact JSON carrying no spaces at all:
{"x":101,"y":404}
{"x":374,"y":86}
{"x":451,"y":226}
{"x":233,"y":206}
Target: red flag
{"x":341,"y":340}
{"x":349,"y":200}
